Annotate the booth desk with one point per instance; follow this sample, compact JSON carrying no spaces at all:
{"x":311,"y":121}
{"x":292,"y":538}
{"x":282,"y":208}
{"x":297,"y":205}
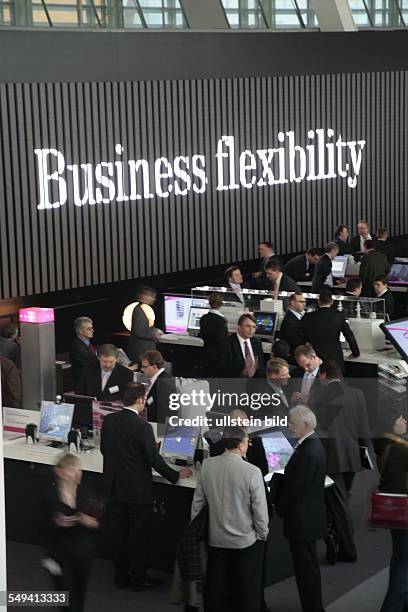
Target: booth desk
{"x":185,"y":354}
{"x":28,"y":476}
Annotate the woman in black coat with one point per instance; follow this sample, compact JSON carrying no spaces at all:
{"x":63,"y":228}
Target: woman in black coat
{"x":68,"y":522}
{"x":392,"y":452}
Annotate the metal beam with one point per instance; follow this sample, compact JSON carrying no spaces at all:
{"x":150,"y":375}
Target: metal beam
{"x":204,"y":14}
{"x":334,"y":15}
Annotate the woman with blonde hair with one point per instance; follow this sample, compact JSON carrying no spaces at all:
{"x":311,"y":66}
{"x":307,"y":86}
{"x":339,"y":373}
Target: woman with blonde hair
{"x":70,"y":517}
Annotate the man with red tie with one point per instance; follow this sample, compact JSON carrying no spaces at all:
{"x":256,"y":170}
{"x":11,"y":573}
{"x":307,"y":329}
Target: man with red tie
{"x":243,"y":355}
{"x":82,"y":353}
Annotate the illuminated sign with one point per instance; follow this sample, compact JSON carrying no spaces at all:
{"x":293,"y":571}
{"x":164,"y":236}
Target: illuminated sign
{"x":36,"y":315}
{"x":326,"y":156}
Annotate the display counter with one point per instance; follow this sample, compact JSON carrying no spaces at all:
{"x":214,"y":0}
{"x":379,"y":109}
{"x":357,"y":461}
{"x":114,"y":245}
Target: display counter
{"x":28,"y":477}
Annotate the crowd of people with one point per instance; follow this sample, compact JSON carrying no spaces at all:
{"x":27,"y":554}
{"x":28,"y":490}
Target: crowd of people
{"x":327,"y":419}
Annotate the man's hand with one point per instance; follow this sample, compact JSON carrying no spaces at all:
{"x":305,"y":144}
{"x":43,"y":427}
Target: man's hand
{"x":157,"y":333}
{"x":298,"y":397}
{"x":65,"y":521}
{"x":87,"y":521}
{"x":256,"y":274}
{"x":185,"y":473}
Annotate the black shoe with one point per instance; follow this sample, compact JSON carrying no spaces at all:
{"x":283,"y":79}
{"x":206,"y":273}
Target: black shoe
{"x":149,"y":583}
{"x":121,"y":583}
{"x":332,"y":550}
{"x":347,"y":559}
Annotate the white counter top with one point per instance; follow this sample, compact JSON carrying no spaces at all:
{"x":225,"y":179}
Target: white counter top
{"x":186,"y":340}
{"x":91,"y":461}
{"x":388,"y":355}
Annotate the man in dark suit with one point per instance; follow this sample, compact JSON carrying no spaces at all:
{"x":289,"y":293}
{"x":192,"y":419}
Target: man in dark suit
{"x":10,"y":383}
{"x":291,"y":329}
{"x":82,"y":353}
{"x":235,"y":284}
{"x":267,"y":255}
{"x":106,"y":379}
{"x":143,"y":336}
{"x":277,"y":281}
{"x":373,"y":264}
{"x":304,"y":382}
{"x":363,"y":233}
{"x":275,"y":386}
{"x":323,"y":278}
{"x":343,"y":425}
{"x":214,"y":332}
{"x":301,"y":267}
{"x":341,"y":238}
{"x":243,"y":354}
{"x":383,"y":244}
{"x":10,"y":344}
{"x":382,"y":291}
{"x":129,"y":454}
{"x":353,"y":292}
{"x":323,"y":327}
{"x":301,"y":504}
{"x":161,"y":386}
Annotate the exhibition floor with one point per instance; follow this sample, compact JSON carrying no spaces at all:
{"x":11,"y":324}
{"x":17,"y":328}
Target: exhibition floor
{"x":359,"y":586}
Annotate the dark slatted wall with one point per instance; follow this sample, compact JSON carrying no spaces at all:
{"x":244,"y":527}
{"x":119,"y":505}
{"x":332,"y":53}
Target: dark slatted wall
{"x":73,"y":246}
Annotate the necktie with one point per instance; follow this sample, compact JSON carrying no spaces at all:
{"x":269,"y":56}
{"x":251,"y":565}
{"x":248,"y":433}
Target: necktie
{"x":307,"y":383}
{"x":105,"y":378}
{"x":91,"y":348}
{"x":249,"y":369}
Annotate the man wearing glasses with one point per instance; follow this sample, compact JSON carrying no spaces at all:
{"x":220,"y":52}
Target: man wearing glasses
{"x":291,"y":329}
{"x":82,"y":353}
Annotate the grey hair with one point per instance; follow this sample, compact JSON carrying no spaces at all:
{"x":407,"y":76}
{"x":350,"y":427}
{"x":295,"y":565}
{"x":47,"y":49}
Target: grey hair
{"x":79,"y":323}
{"x":303,"y":414}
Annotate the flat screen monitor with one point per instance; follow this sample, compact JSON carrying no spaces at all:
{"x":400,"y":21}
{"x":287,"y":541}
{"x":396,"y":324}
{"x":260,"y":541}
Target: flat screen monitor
{"x":55,"y":421}
{"x":194,"y":317}
{"x":278,"y":450}
{"x":397,"y":333}
{"x":82,"y":418}
{"x":266,"y":323}
{"x":180,"y":442}
{"x":176,"y":311}
{"x":339,"y":266}
{"x":398,"y":274}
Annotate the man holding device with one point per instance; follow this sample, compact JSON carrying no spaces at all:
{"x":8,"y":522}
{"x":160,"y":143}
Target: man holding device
{"x":129,"y":453}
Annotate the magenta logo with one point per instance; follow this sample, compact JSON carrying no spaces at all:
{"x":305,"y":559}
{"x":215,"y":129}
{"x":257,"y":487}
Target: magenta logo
{"x":403,"y":329}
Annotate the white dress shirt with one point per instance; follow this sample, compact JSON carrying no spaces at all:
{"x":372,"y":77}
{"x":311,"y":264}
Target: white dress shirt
{"x":105,"y":376}
{"x":242,"y":343}
{"x":304,"y":438}
{"x":298,"y":315}
{"x":155,"y":377}
{"x":238,"y":290}
{"x":362,"y":241}
{"x":218,"y":312}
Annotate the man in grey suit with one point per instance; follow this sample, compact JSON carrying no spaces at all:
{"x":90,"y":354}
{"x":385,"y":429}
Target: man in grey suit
{"x":238,"y":525}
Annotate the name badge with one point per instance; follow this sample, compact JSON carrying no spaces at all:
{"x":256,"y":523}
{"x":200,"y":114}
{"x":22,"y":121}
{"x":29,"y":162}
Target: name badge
{"x":114,"y":389}
{"x":149,"y":401}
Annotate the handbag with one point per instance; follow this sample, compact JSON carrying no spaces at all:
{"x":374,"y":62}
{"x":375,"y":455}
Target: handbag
{"x":389,"y":510}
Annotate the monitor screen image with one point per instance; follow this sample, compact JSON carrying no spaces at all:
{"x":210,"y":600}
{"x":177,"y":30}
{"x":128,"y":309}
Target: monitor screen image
{"x":278,"y":450}
{"x":82,"y":418}
{"x":55,"y":421}
{"x":397,"y":332}
{"x":265,"y":323}
{"x":339,"y":265}
{"x":180,"y":442}
{"x":176,"y":311}
{"x":398,"y":274}
{"x":194,"y":317}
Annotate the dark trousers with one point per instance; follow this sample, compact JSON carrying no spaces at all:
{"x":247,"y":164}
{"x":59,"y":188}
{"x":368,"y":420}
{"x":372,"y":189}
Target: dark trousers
{"x":348,"y":478}
{"x":307,"y":573}
{"x":130,"y":530}
{"x":74,"y":580}
{"x":339,"y":514}
{"x":396,"y":599}
{"x":234,"y":575}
